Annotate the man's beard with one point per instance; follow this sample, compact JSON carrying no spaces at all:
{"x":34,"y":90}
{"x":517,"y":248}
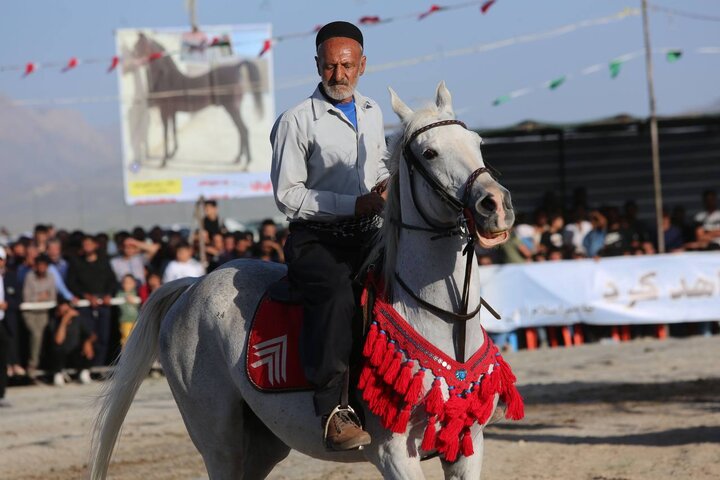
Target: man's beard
{"x":338,"y":91}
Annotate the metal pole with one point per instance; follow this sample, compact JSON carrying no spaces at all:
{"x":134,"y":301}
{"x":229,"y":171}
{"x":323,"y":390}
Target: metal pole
{"x":191,"y":5}
{"x":653,"y":132}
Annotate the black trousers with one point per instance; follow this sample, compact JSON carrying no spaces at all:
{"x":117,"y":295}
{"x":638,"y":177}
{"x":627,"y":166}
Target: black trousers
{"x":4,"y":348}
{"x":323,"y":268}
{"x":67,"y":356}
{"x":99,"y":321}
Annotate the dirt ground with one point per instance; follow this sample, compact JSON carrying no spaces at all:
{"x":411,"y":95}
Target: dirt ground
{"x":646,"y":409}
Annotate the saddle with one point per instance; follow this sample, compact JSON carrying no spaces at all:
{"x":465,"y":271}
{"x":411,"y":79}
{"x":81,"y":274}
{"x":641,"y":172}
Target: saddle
{"x":273,"y":360}
{"x":273,"y":350}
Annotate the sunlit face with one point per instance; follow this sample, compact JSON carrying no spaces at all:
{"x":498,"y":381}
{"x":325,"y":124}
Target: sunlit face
{"x":340,"y":62}
{"x":183,"y":254}
{"x":128,"y":284}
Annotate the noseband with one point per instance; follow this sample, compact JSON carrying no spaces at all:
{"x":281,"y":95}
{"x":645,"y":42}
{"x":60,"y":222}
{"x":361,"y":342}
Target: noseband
{"x":465,"y":226}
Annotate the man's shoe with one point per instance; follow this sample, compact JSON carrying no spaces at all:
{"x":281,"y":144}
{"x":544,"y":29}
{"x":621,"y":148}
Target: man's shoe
{"x":84,"y":377}
{"x":59,"y":379}
{"x":4,"y":403}
{"x":343,"y":431}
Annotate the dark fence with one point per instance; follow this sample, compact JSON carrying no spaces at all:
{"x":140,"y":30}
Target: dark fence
{"x":611,"y":159}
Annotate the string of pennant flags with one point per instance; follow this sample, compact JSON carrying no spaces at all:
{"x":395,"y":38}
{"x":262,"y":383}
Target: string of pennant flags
{"x":113,"y":62}
{"x":613,"y":68}
{"x":406,"y":62}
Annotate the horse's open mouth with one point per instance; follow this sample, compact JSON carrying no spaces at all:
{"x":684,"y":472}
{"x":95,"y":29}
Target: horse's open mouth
{"x":491,"y":239}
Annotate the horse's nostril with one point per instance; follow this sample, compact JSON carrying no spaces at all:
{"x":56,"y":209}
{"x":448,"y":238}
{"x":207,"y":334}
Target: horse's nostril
{"x":488,"y":204}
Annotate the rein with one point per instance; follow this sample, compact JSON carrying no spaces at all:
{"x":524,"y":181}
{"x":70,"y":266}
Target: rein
{"x":465,"y":226}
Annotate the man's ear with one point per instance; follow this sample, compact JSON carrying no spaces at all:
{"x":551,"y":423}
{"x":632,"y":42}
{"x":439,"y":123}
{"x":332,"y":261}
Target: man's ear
{"x":317,"y":65}
{"x":363,"y":60}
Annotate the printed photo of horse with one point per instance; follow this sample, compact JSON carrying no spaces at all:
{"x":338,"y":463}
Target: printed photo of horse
{"x":210,"y":112}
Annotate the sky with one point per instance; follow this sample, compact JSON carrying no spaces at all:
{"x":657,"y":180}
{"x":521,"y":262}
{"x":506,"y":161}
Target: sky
{"x":55,"y":30}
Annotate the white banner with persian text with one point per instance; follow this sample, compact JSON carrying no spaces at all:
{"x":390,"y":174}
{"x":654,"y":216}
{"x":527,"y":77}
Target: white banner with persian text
{"x":612,"y":291}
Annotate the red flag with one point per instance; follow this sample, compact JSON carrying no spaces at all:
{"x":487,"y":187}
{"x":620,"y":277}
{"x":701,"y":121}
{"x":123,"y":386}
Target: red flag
{"x":154,"y":56}
{"x":369,"y":20}
{"x":72,"y":63}
{"x":114,"y":63}
{"x":433,"y":9}
{"x":267,"y":45}
{"x":215,"y":41}
{"x":317,"y":28}
{"x":486,"y":6}
{"x":29,"y":68}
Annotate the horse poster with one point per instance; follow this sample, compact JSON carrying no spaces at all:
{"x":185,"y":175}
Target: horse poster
{"x":196,"y":111}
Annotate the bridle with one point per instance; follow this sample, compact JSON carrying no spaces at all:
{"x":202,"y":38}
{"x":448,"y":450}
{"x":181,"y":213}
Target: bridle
{"x":465,"y":227}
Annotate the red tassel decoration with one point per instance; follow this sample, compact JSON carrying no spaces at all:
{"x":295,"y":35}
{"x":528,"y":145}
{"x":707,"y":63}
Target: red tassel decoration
{"x":365,"y":374}
{"x":451,"y":449}
{"x":402,"y":382}
{"x":393,"y":370}
{"x":484,"y":410}
{"x":455,"y":415}
{"x":389,"y":415}
{"x":415,"y":389}
{"x":467,"y":443}
{"x":429,"y":437}
{"x":370,"y":392}
{"x":387,"y":360}
{"x":379,"y":348}
{"x":435,"y":402}
{"x":370,"y":340}
{"x":514,"y":402}
{"x":402,"y":420}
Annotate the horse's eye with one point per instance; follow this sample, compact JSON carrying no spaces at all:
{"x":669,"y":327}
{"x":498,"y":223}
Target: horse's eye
{"x":429,"y":153}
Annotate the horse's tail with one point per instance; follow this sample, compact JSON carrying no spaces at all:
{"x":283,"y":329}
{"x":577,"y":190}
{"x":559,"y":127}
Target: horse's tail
{"x":255,"y":86}
{"x":131,"y":369}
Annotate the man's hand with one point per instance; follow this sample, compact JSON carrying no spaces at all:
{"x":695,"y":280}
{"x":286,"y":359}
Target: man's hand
{"x":3,"y":306}
{"x":106,"y":300}
{"x":369,"y":204}
{"x":92,"y":299}
{"x":87,"y":349}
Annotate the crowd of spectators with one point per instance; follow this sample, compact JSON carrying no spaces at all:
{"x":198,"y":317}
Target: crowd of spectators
{"x":69,"y":300}
{"x":604,"y":231}
{"x":82,"y":292}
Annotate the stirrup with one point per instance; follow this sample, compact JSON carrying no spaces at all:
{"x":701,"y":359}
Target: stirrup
{"x":335,"y":410}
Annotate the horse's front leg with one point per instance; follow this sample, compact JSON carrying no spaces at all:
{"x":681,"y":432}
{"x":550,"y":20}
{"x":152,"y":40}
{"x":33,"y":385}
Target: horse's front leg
{"x":467,"y":467}
{"x":175,"y":140}
{"x":394,"y":455}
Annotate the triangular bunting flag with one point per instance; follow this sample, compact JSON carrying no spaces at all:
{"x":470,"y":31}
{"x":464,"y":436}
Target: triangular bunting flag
{"x":486,"y":6}
{"x":556,"y":83}
{"x":615,"y":67}
{"x":673,"y":55}
{"x":501,"y":100}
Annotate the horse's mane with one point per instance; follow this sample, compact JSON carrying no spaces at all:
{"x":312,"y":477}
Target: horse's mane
{"x":386,"y":242}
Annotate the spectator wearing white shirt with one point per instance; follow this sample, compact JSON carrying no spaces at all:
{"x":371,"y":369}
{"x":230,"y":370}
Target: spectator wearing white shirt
{"x":184,"y":265}
{"x":131,"y":261}
{"x":708,"y":222}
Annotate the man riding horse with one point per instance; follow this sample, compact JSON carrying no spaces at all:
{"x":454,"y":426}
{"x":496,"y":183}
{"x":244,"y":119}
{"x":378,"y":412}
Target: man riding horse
{"x":328,"y":174}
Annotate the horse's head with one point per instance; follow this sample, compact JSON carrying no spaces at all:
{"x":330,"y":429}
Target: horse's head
{"x":144,"y":46}
{"x":448,"y":173}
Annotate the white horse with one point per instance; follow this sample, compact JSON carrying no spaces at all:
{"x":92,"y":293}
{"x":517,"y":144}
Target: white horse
{"x":199,"y":326}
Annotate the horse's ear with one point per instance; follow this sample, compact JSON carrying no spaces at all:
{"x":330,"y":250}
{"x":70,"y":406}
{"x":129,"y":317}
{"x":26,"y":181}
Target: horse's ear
{"x":398,"y":106}
{"x":443,"y":100}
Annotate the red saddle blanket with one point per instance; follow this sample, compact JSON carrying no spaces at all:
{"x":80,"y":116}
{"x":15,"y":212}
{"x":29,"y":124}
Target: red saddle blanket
{"x":273,"y":350}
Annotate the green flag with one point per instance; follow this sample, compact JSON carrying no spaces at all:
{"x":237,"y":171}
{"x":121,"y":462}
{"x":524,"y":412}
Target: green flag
{"x":673,"y":55}
{"x":501,"y":100}
{"x":556,"y":83}
{"x":615,"y":66}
